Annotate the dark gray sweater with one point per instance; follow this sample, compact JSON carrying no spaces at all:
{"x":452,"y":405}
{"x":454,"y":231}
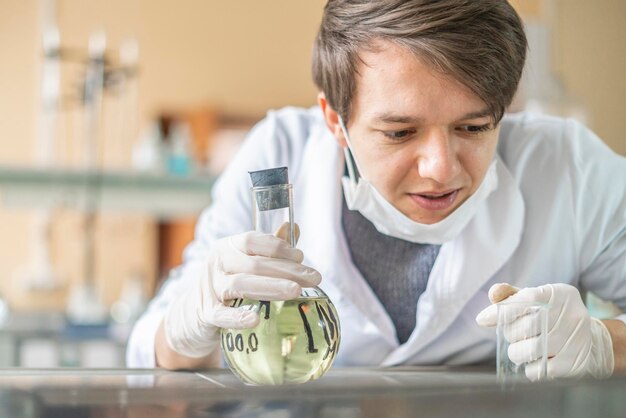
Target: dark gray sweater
{"x":396,"y":270}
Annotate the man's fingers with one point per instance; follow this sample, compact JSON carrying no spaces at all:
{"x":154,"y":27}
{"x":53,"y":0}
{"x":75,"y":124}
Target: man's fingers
{"x":525,"y":325}
{"x":533,"y":371}
{"x":283,"y":232}
{"x":533,"y":294}
{"x":272,"y":267}
{"x":236,"y":318}
{"x":254,"y":243}
{"x":500,"y":291}
{"x":555,"y":368}
{"x":249,"y":286}
{"x":526,"y":351}
{"x":488,"y":317}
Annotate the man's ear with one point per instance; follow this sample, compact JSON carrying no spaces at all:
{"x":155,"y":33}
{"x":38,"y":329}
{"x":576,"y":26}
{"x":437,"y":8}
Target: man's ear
{"x":332,"y":120}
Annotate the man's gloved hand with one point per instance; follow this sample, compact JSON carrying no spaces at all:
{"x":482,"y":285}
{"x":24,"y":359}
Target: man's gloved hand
{"x":250,"y":265}
{"x":578,"y":344}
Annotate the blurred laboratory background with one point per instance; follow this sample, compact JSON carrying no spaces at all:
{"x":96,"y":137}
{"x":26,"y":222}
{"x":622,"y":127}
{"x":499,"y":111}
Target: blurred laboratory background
{"x":118,"y":115}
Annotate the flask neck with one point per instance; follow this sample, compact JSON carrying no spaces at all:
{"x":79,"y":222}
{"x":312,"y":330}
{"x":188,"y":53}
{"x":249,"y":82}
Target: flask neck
{"x":273,"y":211}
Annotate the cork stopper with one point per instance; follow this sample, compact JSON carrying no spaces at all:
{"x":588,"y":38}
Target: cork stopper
{"x":276,"y":194}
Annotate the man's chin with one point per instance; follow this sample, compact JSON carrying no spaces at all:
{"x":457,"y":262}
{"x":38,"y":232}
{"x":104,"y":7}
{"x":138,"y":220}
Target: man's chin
{"x":426,"y":218}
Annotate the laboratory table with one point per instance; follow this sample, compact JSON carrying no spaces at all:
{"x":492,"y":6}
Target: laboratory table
{"x":342,"y":393}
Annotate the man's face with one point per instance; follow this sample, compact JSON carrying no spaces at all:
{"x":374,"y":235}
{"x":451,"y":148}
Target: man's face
{"x":421,"y":138}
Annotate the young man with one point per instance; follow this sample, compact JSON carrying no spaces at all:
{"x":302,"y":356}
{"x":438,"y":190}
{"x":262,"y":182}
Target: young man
{"x":444,"y":199}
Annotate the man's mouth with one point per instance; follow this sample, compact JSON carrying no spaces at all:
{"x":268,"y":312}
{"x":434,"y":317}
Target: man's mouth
{"x":435,"y":200}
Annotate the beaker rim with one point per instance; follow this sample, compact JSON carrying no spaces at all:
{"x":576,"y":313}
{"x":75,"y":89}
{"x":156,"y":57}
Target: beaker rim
{"x":274,"y":186}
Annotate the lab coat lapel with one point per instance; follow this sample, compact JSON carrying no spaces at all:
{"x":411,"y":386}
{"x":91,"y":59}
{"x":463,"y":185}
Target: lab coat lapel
{"x":465,"y":264}
{"x":316,"y":194}
{"x":322,"y":237}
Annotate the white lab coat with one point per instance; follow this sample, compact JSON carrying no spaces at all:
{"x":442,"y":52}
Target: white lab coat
{"x":557,"y":215}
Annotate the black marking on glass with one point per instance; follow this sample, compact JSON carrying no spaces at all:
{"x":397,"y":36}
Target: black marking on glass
{"x":322,"y":316}
{"x":265,"y":304}
{"x":307,"y":328}
{"x":230,"y":345}
{"x":236,"y":303}
{"x":327,"y":321}
{"x":333,"y":320}
{"x":239,"y":342}
{"x":253,"y":344}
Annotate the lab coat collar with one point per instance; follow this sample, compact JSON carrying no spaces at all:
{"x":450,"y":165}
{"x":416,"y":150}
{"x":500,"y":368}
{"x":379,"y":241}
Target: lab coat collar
{"x":462,"y":267}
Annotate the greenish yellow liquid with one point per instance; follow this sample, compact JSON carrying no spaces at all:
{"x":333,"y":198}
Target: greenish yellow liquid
{"x":295,"y":341}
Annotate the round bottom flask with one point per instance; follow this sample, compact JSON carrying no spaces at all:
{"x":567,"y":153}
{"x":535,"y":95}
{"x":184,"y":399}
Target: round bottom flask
{"x":296,"y":340}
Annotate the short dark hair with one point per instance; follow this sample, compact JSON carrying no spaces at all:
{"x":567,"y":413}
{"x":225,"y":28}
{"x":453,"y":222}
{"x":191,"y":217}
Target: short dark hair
{"x":480,"y":43}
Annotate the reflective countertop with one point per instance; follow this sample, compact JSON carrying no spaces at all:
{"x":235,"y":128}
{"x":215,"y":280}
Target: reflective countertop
{"x":355,"y":392}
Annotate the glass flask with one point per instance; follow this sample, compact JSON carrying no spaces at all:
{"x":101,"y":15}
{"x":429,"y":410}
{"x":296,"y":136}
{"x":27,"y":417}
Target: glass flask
{"x":296,"y":340}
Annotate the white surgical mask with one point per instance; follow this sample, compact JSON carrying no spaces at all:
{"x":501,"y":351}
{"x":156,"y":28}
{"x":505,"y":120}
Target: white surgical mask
{"x":361,"y":195}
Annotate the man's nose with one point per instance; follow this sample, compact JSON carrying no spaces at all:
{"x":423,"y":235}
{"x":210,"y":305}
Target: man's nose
{"x":437,"y":157}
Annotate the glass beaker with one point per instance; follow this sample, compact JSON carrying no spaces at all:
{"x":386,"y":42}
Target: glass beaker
{"x":522,"y":342}
{"x":296,"y":340}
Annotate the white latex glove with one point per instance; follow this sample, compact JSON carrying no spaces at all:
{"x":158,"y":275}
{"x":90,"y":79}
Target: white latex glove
{"x":250,"y":265}
{"x":578,"y":344}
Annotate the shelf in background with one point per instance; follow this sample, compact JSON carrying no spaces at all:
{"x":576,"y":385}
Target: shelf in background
{"x":163,"y":196}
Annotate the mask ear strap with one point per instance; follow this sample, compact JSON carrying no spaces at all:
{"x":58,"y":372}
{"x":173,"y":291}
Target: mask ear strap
{"x":347,"y":152}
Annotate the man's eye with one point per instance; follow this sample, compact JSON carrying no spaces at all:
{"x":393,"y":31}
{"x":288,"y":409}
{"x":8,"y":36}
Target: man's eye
{"x":475,"y":129}
{"x":397,"y":135}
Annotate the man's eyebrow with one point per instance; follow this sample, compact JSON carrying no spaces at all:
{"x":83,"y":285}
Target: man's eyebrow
{"x":395,"y":118}
{"x":476,"y":115}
